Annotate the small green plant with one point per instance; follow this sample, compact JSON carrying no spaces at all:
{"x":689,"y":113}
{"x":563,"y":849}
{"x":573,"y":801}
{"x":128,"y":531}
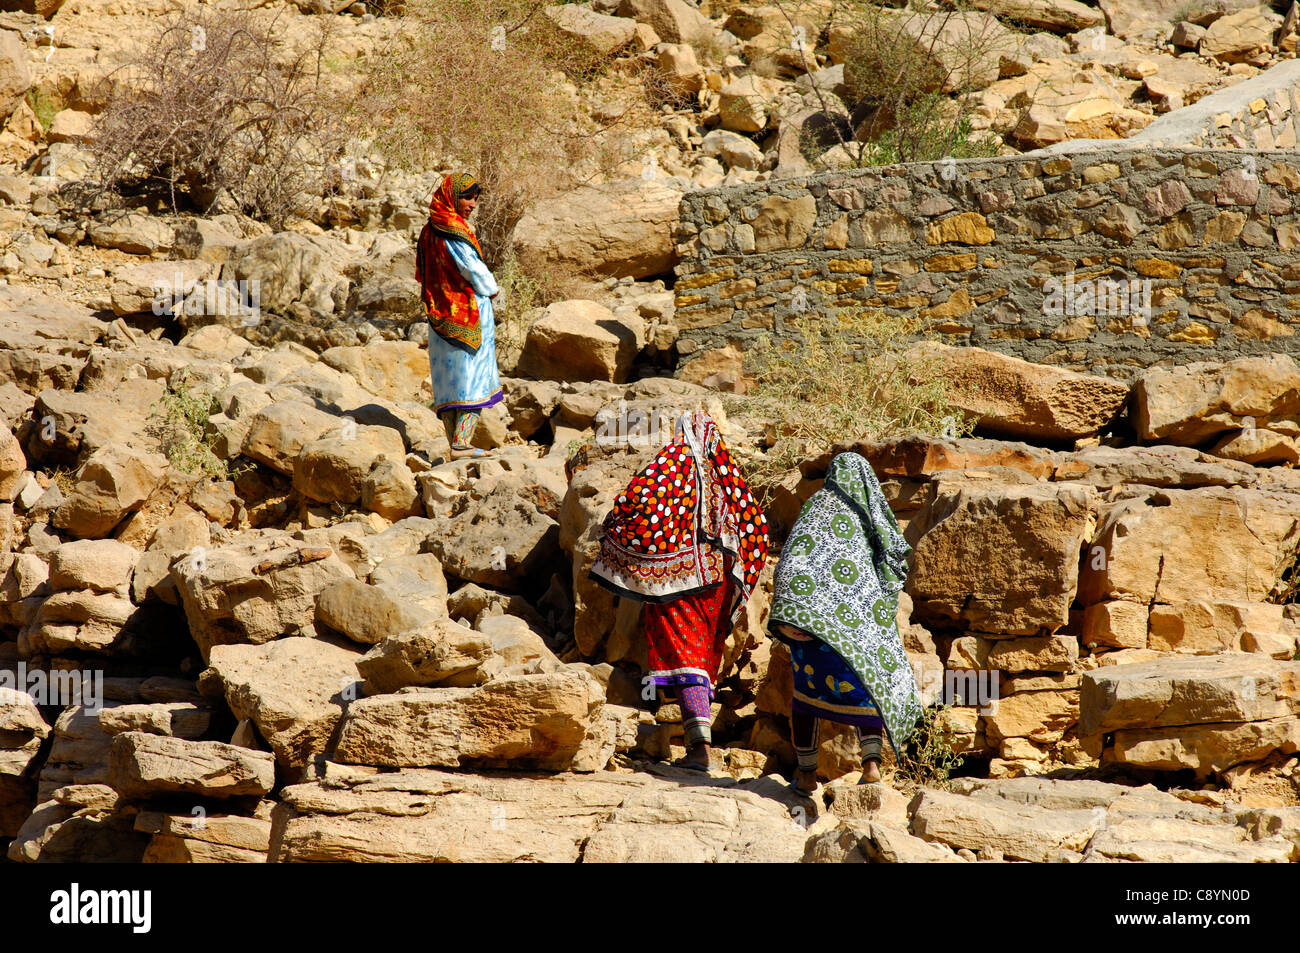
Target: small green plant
{"x":42,"y":105}
{"x":178,"y":421}
{"x":928,"y":758}
{"x":851,"y":377}
{"x":521,"y":292}
{"x":930,"y":139}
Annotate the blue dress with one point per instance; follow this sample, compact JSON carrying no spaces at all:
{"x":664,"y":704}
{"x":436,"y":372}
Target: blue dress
{"x":463,"y":380}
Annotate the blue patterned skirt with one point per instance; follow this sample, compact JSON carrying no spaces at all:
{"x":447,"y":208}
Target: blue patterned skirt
{"x":825,"y":687}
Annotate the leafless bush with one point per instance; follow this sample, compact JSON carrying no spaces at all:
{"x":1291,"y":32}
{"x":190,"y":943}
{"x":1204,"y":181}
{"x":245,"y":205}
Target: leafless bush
{"x":219,"y":109}
{"x":911,"y":75}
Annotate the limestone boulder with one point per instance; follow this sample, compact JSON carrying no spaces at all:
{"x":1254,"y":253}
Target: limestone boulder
{"x":1019,"y":831}
{"x":364,"y":613}
{"x":1192,"y":403}
{"x":23,"y":730}
{"x":112,"y":484}
{"x":101,"y":565}
{"x":15,"y":77}
{"x":1258,"y":447}
{"x":256,"y":591}
{"x":1002,"y":558}
{"x":220,"y":839}
{"x":501,"y":537}
{"x":1188,"y":690}
{"x":746,"y":103}
{"x":950,"y":51}
{"x":69,"y":425}
{"x":1022,"y":400}
{"x":133,"y":232}
{"x":44,"y":340}
{"x":623,"y":229}
{"x":549,"y":721}
{"x":294,"y":690}
{"x":1058,"y":16}
{"x":1204,"y":749}
{"x":735,"y":151}
{"x":679,"y":69}
{"x":13,"y":466}
{"x":434,"y":653}
{"x":391,"y":369}
{"x":1150,"y":549}
{"x":673,"y":20}
{"x":426,"y":815}
{"x":291,"y":269}
{"x":173,"y":719}
{"x":277,"y":433}
{"x":579,"y":341}
{"x":1207,"y":627}
{"x":336,"y":467}
{"x":603,"y":33}
{"x":1240,"y":35}
{"x":142,"y":765}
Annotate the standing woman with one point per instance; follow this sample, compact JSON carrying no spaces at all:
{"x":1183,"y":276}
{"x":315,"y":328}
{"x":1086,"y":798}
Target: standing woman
{"x":686,"y":538}
{"x":835,"y":605}
{"x":457,"y":289}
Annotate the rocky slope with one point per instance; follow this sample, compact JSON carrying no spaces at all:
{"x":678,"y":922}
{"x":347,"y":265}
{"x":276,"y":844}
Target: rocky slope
{"x":334,"y":645}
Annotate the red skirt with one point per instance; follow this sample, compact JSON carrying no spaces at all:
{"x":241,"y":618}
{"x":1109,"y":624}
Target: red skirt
{"x":686,"y":638}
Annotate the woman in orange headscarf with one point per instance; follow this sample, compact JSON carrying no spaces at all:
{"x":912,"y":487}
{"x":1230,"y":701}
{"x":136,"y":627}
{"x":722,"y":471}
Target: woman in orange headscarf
{"x":458,"y":292}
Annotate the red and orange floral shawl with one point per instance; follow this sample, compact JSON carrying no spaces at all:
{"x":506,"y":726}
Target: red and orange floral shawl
{"x":670,"y":530}
{"x":448,"y":298}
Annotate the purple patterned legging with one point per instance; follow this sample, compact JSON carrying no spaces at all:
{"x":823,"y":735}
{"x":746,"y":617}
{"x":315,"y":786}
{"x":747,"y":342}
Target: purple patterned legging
{"x":697,"y":716}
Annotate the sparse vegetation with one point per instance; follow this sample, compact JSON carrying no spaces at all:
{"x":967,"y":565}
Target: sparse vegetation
{"x":490,"y":86}
{"x":179,"y":422}
{"x":907,"y":103}
{"x":219,"y":110}
{"x":42,"y":106}
{"x":848,"y":378}
{"x":928,"y":759}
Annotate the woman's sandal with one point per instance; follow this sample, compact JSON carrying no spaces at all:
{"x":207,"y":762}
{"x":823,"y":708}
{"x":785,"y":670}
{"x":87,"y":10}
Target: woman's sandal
{"x":806,"y":792}
{"x":691,"y":765}
{"x":469,"y":453}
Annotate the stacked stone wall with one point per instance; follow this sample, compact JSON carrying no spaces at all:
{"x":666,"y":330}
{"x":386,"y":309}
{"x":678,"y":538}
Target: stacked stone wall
{"x":1106,"y":261}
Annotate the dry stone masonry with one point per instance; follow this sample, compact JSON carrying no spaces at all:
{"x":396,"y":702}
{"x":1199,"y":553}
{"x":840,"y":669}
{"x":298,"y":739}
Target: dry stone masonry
{"x":1106,"y":261}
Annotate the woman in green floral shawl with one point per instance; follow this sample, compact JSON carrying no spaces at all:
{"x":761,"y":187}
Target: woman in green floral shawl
{"x":835,"y":605}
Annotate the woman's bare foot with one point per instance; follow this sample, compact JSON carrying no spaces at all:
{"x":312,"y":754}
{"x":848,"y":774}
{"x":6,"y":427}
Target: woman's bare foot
{"x":805,"y":781}
{"x":698,"y":755}
{"x":464,"y":453}
{"x":871,"y":772}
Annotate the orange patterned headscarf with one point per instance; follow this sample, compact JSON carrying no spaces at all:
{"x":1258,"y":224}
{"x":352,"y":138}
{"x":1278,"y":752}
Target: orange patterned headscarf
{"x":448,"y":298}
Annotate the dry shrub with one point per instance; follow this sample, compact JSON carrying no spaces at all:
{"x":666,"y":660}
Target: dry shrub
{"x":847,"y":378}
{"x":218,"y":107}
{"x":928,"y":757}
{"x":908,"y":104}
{"x":491,"y":87}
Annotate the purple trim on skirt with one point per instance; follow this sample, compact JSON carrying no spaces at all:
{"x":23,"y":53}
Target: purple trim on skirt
{"x":480,"y":405}
{"x":684,"y":680}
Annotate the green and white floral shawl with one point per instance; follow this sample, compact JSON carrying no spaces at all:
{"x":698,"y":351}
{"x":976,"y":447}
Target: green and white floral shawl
{"x":838,"y":580}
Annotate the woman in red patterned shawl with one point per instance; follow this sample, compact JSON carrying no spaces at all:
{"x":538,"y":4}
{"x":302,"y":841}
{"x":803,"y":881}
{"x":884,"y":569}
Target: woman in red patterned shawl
{"x":458,"y":292}
{"x":686,"y":538}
